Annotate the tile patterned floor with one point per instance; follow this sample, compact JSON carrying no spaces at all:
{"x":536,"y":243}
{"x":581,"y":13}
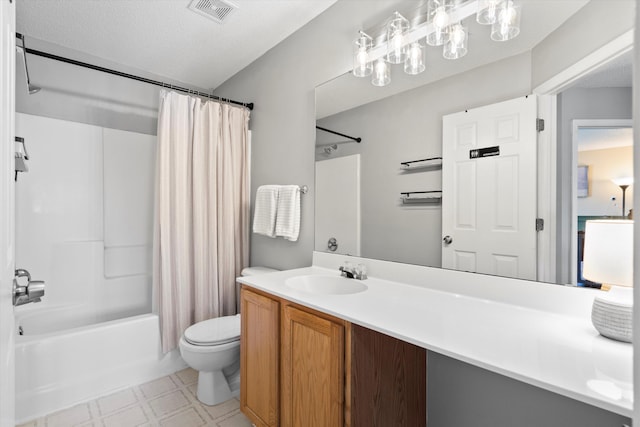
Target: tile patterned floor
{"x":167,"y":402}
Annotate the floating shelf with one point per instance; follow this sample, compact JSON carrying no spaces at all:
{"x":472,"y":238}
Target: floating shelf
{"x":410,"y":197}
{"x":422,"y":163}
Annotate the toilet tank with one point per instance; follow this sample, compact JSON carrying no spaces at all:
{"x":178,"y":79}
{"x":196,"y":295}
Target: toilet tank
{"x":253,"y":271}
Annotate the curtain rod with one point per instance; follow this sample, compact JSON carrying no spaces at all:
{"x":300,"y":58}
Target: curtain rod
{"x":130,"y":76}
{"x":356,"y":139}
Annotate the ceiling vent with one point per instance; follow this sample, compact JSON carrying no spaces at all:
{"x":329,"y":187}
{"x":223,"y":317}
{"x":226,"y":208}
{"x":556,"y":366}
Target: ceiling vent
{"x":217,"y":10}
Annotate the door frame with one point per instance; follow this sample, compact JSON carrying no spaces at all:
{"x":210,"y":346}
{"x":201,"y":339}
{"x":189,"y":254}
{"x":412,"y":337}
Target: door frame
{"x":575,"y":124}
{"x":547,"y":93}
{"x":7,"y":215}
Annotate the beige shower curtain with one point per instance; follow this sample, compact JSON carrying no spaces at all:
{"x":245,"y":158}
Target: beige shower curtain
{"x":201,"y":236}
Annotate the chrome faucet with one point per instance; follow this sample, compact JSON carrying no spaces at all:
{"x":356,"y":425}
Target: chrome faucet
{"x":358,"y":272}
{"x":33,"y":291}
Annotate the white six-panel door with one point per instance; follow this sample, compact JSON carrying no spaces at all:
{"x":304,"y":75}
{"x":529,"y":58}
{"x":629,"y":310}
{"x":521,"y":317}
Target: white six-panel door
{"x":7,"y":111}
{"x":489,"y":201}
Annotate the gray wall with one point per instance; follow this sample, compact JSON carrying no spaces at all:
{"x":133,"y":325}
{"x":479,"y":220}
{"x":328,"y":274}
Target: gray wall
{"x":282,"y":83}
{"x":593,"y":26}
{"x":463,"y":395}
{"x":577,"y":104}
{"x":405,"y":127}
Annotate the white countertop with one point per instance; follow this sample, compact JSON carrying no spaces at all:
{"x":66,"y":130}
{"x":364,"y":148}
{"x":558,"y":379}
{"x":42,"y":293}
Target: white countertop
{"x":558,"y":352}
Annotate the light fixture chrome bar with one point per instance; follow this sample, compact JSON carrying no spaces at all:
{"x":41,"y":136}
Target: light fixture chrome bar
{"x":460,"y":12}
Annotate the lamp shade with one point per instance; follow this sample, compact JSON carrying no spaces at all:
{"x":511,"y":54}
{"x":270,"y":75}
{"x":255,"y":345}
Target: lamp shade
{"x":623,"y":181}
{"x":608,"y":252}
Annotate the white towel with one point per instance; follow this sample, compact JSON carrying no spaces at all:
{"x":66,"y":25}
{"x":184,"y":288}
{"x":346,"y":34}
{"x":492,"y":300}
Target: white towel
{"x":264,"y":216}
{"x":288,"y":216}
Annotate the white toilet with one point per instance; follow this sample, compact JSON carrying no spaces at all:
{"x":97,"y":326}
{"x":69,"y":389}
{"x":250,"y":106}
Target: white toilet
{"x":212,"y":347}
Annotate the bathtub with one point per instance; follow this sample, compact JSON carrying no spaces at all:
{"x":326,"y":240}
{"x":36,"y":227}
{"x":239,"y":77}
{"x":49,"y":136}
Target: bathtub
{"x":67,"y":355}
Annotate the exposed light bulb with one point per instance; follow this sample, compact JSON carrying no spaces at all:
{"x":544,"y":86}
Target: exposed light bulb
{"x":439,"y":15}
{"x":441,"y":18}
{"x":396,"y":30}
{"x":381,"y":76}
{"x":456,"y":45}
{"x":415,"y":59}
{"x":396,"y":44}
{"x":362,"y":58}
{"x":458,"y":35}
{"x":362,"y":66}
{"x":507,"y":25}
{"x":487,"y":11}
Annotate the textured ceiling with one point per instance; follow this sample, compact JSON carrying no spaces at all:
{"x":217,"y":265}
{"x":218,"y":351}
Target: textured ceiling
{"x":595,"y":138}
{"x":164,"y":37}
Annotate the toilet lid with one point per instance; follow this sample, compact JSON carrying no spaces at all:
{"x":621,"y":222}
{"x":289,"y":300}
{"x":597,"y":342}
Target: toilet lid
{"x":220,"y":330}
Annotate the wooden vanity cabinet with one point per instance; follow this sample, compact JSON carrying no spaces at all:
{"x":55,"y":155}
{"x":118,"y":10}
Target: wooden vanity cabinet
{"x":388,"y":381}
{"x":300,"y":367}
{"x":260,"y":358}
{"x":312,"y":369}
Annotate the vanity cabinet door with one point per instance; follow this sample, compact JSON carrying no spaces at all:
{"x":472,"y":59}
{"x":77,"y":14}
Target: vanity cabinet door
{"x":313,"y":378}
{"x":259,"y":358}
{"x":388,"y":381}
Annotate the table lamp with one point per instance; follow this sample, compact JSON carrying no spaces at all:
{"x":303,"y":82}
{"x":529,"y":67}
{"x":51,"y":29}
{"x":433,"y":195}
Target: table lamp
{"x":608,"y":259}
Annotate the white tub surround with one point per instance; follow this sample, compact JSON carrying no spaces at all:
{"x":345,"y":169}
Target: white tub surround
{"x":58,"y":369}
{"x":537,"y":333}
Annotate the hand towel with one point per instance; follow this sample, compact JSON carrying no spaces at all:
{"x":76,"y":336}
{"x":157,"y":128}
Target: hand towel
{"x":288,"y":215}
{"x":264,"y":216}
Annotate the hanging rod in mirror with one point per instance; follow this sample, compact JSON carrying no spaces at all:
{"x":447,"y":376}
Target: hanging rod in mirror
{"x":48,"y":55}
{"x":356,"y":139}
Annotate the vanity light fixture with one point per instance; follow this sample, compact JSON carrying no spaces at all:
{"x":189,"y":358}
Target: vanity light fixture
{"x":362,"y":65}
{"x":456,"y":44}
{"x":487,"y":11}
{"x":381,"y":74}
{"x":439,"y":15}
{"x":507,"y":24}
{"x":402,"y":43}
{"x":396,"y":43}
{"x":414,"y":64}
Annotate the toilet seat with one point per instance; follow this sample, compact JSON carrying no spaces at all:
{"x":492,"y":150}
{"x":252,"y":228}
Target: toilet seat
{"x":217,"y":331}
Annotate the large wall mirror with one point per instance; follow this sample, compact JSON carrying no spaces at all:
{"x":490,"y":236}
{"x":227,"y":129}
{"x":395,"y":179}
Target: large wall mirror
{"x":382,"y":190}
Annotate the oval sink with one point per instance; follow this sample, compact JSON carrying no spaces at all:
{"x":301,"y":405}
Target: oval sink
{"x":326,"y":285}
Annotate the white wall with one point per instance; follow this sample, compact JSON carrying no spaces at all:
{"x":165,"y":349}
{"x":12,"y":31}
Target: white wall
{"x":88,"y":194}
{"x":7,"y":231}
{"x":604,"y":165}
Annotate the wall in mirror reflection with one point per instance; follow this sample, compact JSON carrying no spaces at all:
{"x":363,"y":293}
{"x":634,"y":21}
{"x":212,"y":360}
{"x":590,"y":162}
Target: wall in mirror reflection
{"x":408,"y":126}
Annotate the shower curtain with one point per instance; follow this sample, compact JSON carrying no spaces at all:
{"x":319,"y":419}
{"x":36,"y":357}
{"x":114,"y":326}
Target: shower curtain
{"x":201,"y":236}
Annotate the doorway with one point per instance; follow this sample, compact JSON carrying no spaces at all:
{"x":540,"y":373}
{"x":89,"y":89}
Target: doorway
{"x":603,"y":166}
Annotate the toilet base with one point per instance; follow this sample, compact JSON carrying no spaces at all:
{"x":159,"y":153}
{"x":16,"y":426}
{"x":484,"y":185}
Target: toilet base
{"x":213,"y":388}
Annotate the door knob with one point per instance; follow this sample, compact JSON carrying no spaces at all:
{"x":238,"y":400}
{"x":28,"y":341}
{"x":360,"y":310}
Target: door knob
{"x":447,"y":240}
